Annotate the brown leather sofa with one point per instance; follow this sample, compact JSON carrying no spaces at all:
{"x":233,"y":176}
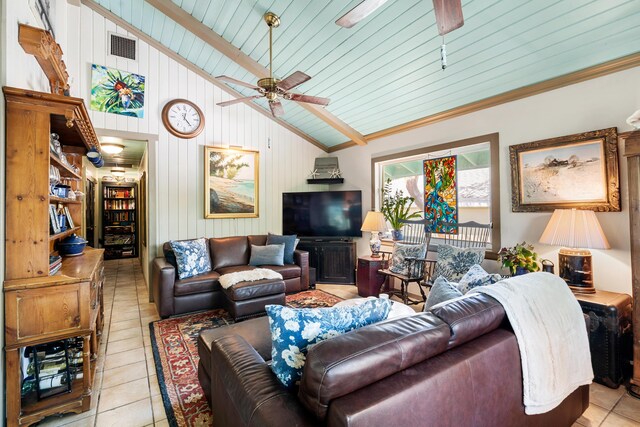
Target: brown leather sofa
{"x":228,"y":254}
{"x":458,"y":365}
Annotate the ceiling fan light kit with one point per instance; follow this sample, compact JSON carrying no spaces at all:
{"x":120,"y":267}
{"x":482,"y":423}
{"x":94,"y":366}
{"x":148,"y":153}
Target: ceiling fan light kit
{"x":270,"y":87}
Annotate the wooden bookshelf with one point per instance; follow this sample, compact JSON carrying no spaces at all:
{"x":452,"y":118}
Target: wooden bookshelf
{"x":42,"y":308}
{"x":120,"y":219}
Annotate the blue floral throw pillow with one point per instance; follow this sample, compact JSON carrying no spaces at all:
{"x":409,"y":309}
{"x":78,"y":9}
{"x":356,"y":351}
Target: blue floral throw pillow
{"x":401,"y":252}
{"x":452,"y":263}
{"x":192,"y":257}
{"x":476,"y":276}
{"x":295,"y":330}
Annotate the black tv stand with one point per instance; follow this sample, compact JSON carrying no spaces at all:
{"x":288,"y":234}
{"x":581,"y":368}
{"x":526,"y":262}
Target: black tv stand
{"x":333,"y":258}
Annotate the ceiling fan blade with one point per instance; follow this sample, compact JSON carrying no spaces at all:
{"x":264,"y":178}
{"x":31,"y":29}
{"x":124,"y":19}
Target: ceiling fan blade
{"x":237,"y":82}
{"x":237,"y":100}
{"x":306,"y":98}
{"x":293,"y":80}
{"x":359,"y":12}
{"x":276,"y":108}
{"x":448,"y":15}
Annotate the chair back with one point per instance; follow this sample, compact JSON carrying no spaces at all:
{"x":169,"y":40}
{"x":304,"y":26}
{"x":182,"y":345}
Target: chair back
{"x":470,"y":234}
{"x":416,"y":232}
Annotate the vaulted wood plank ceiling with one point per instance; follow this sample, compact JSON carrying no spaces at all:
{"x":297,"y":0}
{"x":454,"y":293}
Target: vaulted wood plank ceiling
{"x":386,"y":71}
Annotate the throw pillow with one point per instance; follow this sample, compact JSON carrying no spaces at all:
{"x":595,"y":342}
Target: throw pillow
{"x":267,"y":255}
{"x":289,"y":245}
{"x":401,"y":252}
{"x":192,"y":257}
{"x":477,"y":276}
{"x":453,"y":262}
{"x":441,"y":291}
{"x":294,"y":331}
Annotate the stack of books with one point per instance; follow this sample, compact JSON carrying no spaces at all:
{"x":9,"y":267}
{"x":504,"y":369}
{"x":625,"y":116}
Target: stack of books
{"x":55,"y":263}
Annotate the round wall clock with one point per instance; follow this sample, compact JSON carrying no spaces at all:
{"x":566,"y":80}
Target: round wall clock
{"x":183,"y":118}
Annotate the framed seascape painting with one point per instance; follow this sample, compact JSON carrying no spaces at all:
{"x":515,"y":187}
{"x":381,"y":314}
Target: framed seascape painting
{"x":575,"y":171}
{"x":231,"y":183}
{"x":441,"y":194}
{"x":117,"y":92}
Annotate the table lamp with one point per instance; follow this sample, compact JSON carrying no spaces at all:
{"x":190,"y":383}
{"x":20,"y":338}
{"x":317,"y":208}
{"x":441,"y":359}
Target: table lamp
{"x":375,"y":223}
{"x":577,"y":231}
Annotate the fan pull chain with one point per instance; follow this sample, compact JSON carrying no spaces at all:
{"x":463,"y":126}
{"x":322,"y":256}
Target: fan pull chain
{"x":443,"y":54}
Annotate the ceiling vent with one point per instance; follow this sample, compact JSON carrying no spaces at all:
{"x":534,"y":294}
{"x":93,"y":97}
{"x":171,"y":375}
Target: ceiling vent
{"x":123,"y":46}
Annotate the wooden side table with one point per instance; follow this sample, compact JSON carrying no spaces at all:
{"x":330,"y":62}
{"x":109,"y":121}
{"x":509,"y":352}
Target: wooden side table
{"x":368,"y":280}
{"x":609,"y":335}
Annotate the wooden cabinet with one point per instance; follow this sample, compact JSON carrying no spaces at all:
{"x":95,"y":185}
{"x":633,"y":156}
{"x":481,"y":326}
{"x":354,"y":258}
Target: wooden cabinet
{"x":369,"y":280}
{"x":334,"y":261}
{"x":39,"y":307}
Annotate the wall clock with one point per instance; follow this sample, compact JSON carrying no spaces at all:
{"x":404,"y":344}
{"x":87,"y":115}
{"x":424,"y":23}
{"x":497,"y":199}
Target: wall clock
{"x":183,"y":118}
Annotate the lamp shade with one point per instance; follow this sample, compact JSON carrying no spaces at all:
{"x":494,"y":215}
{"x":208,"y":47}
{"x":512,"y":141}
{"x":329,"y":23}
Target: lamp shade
{"x":573,"y":228}
{"x":374,"y":221}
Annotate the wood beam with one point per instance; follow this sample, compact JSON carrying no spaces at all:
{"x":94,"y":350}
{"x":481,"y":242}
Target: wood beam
{"x":216,"y":41}
{"x":91,"y":4}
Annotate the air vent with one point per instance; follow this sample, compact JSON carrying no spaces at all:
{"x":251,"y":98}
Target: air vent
{"x":122,"y":46}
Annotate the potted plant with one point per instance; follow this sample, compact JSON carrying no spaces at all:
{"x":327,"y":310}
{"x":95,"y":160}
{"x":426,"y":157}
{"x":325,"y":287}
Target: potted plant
{"x":519,"y":259}
{"x":396,"y":207}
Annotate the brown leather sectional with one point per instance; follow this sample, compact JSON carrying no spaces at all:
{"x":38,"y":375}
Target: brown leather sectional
{"x":458,"y":365}
{"x":202,"y":292}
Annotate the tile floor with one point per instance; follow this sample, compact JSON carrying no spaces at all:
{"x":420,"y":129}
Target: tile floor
{"x":126,"y":380}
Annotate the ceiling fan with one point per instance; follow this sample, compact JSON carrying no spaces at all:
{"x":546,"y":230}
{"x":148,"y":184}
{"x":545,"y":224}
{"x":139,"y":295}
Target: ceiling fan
{"x":272,"y":88}
{"x":448,"y":14}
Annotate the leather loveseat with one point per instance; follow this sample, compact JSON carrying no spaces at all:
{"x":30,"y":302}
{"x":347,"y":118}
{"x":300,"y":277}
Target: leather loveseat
{"x":228,"y":254}
{"x":458,"y":365}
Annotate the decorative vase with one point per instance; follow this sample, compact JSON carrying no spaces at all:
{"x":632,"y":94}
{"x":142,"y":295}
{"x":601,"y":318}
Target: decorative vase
{"x":397,"y":235}
{"x":520,"y":271}
{"x":375,"y":244}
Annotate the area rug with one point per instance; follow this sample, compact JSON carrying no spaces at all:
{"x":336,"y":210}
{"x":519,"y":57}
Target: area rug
{"x":175,"y":351}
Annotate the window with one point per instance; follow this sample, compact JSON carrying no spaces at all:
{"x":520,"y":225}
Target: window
{"x":478,"y":179}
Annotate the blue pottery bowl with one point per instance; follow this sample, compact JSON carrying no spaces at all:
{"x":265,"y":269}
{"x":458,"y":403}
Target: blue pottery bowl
{"x":72,"y":246}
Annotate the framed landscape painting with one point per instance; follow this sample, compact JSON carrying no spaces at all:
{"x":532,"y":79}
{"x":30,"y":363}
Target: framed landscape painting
{"x":117,"y":92}
{"x":575,"y":171}
{"x":231,"y":183}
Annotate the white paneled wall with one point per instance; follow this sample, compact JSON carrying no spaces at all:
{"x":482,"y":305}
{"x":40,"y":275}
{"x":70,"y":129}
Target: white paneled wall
{"x":180,"y":163}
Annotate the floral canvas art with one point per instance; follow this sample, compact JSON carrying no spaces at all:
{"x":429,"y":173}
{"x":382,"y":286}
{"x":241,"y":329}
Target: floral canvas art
{"x":117,"y":92}
{"x":441,"y":194}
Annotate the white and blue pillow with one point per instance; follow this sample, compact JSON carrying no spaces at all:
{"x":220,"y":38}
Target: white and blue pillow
{"x":402,"y":251}
{"x":192,"y":257}
{"x":295,"y":330}
{"x":475,"y":277}
{"x":452,"y":262}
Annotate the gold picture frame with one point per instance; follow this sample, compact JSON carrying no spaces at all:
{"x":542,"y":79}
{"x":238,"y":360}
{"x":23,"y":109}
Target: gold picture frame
{"x":575,"y":171}
{"x":231,"y":188}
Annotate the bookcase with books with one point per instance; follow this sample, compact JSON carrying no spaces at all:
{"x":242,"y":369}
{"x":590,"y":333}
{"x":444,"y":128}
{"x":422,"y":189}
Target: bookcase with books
{"x":119,"y":220}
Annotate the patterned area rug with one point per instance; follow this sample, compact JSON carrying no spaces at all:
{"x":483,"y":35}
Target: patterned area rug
{"x":175,"y":351}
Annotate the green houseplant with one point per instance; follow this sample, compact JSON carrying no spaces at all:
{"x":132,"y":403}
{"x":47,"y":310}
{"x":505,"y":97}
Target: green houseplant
{"x":396,"y":207}
{"x":519,"y":259}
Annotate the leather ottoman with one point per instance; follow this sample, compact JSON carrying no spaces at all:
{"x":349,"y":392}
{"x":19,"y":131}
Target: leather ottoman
{"x":248,"y":299}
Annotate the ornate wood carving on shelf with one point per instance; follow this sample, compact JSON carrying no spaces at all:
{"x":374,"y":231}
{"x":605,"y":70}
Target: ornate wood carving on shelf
{"x":68,"y":114}
{"x":40,"y":43}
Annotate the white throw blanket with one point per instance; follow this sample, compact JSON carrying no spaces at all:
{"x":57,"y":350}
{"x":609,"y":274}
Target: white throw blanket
{"x":552,"y":337}
{"x":228,"y":280}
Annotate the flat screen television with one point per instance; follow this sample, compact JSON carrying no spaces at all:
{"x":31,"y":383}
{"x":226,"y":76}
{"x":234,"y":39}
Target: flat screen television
{"x":322,"y":214}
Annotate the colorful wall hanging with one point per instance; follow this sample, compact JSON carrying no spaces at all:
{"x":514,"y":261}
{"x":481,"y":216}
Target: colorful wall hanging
{"x":118,"y":92}
{"x":441,"y":194}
